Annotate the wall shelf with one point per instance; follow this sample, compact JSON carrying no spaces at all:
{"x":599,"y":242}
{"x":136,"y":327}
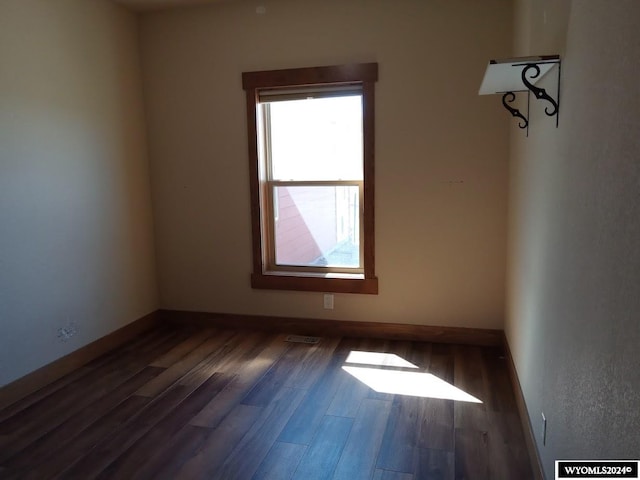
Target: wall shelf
{"x":510,"y":76}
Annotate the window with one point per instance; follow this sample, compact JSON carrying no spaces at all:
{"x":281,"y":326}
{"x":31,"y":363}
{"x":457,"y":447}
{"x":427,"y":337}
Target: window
{"x":311,"y":144}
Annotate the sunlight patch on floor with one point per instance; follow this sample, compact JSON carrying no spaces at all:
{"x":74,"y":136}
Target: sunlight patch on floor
{"x":376,"y":358}
{"x":417,"y":384}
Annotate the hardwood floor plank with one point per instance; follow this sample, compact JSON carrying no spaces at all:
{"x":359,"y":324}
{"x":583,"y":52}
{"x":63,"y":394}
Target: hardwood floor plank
{"x":251,"y":450}
{"x":396,"y":350}
{"x":278,"y":375}
{"x":34,"y":404}
{"x":350,"y":391}
{"x":41,"y":394}
{"x":217,"y":446}
{"x":358,"y":457}
{"x":472,"y":455}
{"x":281,"y":462}
{"x":471,"y":416}
{"x":403,"y":349}
{"x":469,"y":372}
{"x":171,"y":456}
{"x":441,"y":361}
{"x":435,"y":465}
{"x":507,"y":447}
{"x":148,"y":445}
{"x":390,"y":475}
{"x":437,"y":415}
{"x":246,"y":376}
{"x":236,"y":351}
{"x":469,"y":377}
{"x":37,"y":420}
{"x":55,"y":463}
{"x":400,"y":436}
{"x":106,"y":451}
{"x":505,"y":427}
{"x":127,"y":348}
{"x":59,"y":437}
{"x":307,"y":418}
{"x":183,"y":348}
{"x":436,"y":425}
{"x":185,"y":364}
{"x":313,"y":364}
{"x":498,"y":386}
{"x":322,"y":455}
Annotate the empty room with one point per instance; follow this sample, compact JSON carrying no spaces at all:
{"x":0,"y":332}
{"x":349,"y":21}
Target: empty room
{"x":337,"y":239}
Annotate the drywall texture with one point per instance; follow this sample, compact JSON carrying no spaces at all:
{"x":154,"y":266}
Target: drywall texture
{"x":75,"y":209}
{"x":574,"y":272}
{"x":441,"y":152}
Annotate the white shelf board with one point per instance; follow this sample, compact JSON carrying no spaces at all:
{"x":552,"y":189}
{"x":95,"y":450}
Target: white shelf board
{"x":506,"y":75}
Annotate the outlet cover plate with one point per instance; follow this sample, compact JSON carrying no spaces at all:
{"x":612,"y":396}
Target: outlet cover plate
{"x":328,"y":301}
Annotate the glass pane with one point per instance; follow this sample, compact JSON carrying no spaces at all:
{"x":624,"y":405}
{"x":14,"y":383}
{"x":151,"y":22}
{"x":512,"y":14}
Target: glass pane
{"x":317,"y":139}
{"x":317,"y":226}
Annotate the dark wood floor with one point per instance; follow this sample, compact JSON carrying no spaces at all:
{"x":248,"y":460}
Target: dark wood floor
{"x":231,"y":404}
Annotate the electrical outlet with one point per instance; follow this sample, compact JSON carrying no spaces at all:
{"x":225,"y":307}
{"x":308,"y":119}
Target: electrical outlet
{"x":328,"y":301}
{"x":544,"y":429}
{"x":66,"y":332}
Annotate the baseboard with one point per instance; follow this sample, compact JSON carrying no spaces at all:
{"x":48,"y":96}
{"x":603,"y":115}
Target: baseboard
{"x":534,"y":455}
{"x":37,"y":379}
{"x":318,"y":327}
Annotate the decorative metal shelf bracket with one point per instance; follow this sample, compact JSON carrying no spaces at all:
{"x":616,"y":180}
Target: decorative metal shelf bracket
{"x":510,"y":97}
{"x":541,"y":93}
{"x":510,"y":76}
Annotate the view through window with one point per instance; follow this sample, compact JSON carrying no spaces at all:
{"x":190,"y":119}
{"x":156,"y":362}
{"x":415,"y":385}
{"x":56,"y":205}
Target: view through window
{"x":313,"y":149}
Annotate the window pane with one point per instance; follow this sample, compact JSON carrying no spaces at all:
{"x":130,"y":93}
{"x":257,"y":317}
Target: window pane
{"x":316,"y":139}
{"x":317,"y":226}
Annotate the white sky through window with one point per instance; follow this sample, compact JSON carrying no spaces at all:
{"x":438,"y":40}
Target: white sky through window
{"x":317,"y":139}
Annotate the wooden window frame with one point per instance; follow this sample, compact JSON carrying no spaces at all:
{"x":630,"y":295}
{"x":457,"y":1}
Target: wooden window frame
{"x":364,"y":75}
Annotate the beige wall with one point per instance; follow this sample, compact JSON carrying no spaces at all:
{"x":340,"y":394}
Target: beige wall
{"x":574,"y":262}
{"x":75,"y":217}
{"x":440,"y":244}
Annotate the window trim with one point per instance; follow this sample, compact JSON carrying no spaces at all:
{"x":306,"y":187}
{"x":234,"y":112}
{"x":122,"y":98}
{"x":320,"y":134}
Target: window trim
{"x":364,"y":74}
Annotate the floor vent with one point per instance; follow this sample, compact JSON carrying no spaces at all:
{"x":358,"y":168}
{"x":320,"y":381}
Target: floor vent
{"x":302,"y":339}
